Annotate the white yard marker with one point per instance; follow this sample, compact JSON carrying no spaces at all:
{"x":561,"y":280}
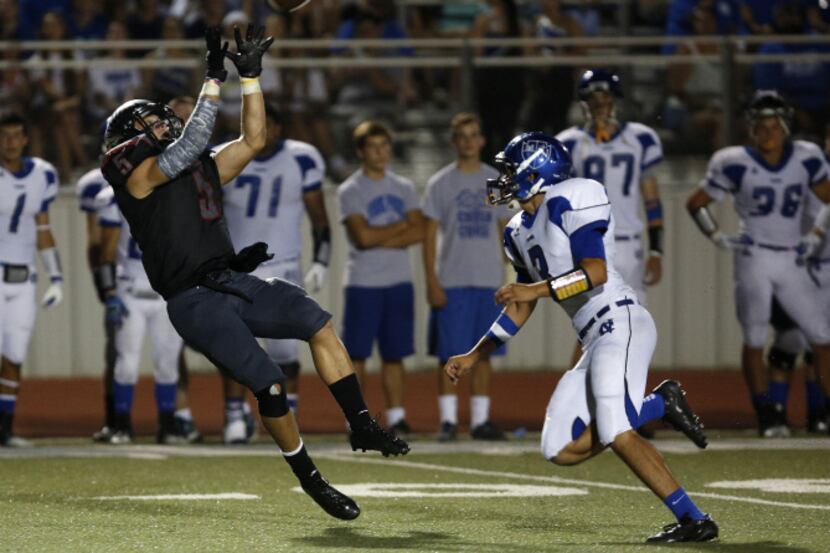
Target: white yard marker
{"x":174,"y":497}
{"x":398,"y":490}
{"x":555,"y":479}
{"x":777,"y":485}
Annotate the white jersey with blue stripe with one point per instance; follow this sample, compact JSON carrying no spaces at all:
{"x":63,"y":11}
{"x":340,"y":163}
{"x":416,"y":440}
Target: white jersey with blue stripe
{"x":88,"y":187}
{"x":23,"y":195}
{"x":265,"y":202}
{"x":619,"y":164}
{"x":128,"y":256}
{"x":539,"y":245}
{"x":770,"y":201}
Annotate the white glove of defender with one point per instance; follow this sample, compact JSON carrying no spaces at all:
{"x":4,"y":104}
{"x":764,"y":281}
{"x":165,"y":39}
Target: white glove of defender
{"x":53,"y":295}
{"x":808,"y":245}
{"x":729,"y":241}
{"x":315,"y":277}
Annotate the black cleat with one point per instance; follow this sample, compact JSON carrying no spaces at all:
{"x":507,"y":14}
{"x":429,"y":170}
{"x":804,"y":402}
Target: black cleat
{"x":772,"y":421}
{"x":401,"y":429}
{"x":332,"y":501}
{"x":448,"y":432}
{"x":679,"y":414}
{"x":488,"y":431}
{"x":817,"y":422}
{"x":686,"y":530}
{"x":373,"y":437}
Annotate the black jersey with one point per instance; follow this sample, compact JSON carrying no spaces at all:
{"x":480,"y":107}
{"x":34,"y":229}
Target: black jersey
{"x":179,"y":226}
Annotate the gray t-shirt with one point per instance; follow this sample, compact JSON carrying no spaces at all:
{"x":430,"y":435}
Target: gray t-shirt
{"x":382,"y":202}
{"x":469,"y":241}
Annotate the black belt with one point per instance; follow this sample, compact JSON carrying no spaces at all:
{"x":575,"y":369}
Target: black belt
{"x":774,"y":247}
{"x":626,"y":237}
{"x":600,"y":314}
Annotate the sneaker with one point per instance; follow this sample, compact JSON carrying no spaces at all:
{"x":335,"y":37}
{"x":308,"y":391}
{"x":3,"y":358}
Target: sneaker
{"x":120,"y":437}
{"x":103,"y":436}
{"x":772,"y":421}
{"x":487,"y":431}
{"x":187,"y":430}
{"x":401,"y":429}
{"x":16,"y":441}
{"x":332,"y":501}
{"x":448,"y":432}
{"x":373,"y":437}
{"x":687,"y":530}
{"x":235,"y":432}
{"x":817,"y":422}
{"x":678,"y":413}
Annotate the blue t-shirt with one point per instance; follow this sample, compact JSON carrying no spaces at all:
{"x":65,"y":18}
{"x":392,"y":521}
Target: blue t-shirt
{"x":804,"y":83}
{"x":391,"y":30}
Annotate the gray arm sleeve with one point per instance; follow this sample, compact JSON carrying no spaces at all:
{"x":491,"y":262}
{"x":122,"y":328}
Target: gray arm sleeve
{"x":194,"y":139}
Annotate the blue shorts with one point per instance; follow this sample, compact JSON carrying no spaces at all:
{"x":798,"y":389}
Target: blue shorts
{"x":456,"y":328}
{"x":386,"y":313}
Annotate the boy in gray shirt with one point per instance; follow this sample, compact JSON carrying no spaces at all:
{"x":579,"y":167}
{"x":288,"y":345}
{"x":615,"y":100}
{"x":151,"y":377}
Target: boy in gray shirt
{"x":380,"y":212}
{"x":463,"y":277}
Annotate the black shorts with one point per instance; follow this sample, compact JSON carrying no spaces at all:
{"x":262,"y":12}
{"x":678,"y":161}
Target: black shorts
{"x":224,"y":327}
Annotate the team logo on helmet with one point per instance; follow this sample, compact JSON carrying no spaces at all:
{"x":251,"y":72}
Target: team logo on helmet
{"x":535,"y":153}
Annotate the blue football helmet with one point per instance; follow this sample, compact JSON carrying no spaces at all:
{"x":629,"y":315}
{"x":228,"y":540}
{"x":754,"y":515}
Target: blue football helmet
{"x":530,"y":162}
{"x":595,"y":80}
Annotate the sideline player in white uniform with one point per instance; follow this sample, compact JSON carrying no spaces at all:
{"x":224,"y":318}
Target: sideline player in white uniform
{"x":769,"y":182}
{"x":87,"y":189}
{"x":562,"y":245}
{"x":27,"y":187}
{"x":622,"y":156}
{"x":463,"y":266}
{"x":134,"y":309}
{"x":265,"y":203}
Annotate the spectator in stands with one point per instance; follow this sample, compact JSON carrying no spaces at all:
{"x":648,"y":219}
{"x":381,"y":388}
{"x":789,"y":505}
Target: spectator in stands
{"x":375,"y":86}
{"x":500,"y":91}
{"x":55,"y":105}
{"x":109,"y":87}
{"x":10,"y":28}
{"x":212,"y":13}
{"x":679,"y":19}
{"x":553,"y":87}
{"x":32,"y":13}
{"x":168,"y":82}
{"x":15,"y":90}
{"x":818,"y":16}
{"x":804,"y":83}
{"x":757,"y":16}
{"x":145,"y":23}
{"x":86,"y":22}
{"x":694,"y":108}
{"x":587,"y":15}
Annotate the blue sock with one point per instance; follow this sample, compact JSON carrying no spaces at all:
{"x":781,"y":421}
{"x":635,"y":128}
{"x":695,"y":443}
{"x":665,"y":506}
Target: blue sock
{"x":7,"y":403}
{"x":166,"y":397}
{"x":778,"y":392}
{"x":123,"y":396}
{"x":653,"y":408}
{"x":233,"y":408}
{"x":815,"y":399}
{"x":759,"y":399}
{"x":681,"y":505}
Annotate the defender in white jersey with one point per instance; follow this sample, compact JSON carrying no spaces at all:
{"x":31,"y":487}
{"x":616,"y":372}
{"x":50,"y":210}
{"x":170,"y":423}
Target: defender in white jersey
{"x":622,"y":156}
{"x":265,"y":203}
{"x":769,"y":183}
{"x":87,"y":189}
{"x":562,"y":245}
{"x":27,"y":187}
{"x":134,"y":309}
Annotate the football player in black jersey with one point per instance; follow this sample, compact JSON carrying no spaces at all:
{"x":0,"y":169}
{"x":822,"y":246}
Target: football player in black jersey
{"x":168,"y":187}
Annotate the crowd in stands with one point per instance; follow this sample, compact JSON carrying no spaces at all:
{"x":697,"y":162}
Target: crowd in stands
{"x":61,"y":101}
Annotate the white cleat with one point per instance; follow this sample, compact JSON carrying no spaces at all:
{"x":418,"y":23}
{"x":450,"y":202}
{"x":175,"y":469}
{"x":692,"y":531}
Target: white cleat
{"x":236,"y":432}
{"x":119,"y":437}
{"x":17,"y":441}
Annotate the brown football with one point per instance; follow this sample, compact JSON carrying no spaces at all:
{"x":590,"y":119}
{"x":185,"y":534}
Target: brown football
{"x":286,"y":5}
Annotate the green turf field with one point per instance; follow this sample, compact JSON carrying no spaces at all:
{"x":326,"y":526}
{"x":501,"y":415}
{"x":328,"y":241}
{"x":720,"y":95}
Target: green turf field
{"x":465,"y":497}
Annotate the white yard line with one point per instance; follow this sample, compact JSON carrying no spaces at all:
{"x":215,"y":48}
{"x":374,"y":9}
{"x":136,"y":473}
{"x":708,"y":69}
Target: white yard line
{"x":559,"y":480}
{"x":173,"y":497}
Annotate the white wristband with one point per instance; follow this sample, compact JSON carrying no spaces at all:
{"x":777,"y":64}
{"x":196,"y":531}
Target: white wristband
{"x":210,"y":88}
{"x":250,"y":85}
{"x":52,"y":263}
{"x":822,"y":219}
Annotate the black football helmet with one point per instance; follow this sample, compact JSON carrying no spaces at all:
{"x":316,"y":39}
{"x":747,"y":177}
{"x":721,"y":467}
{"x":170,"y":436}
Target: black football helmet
{"x":769,"y":103}
{"x":127,"y":122}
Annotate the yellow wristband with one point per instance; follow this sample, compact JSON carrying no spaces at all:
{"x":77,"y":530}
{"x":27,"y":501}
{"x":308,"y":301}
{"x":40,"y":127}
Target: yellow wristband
{"x":250,"y":85}
{"x":210,"y":88}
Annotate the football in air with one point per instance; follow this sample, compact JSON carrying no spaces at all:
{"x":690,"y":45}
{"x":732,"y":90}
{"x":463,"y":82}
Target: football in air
{"x":286,"y":5}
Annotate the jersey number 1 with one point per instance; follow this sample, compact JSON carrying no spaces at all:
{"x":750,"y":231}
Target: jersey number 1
{"x":18,"y":211}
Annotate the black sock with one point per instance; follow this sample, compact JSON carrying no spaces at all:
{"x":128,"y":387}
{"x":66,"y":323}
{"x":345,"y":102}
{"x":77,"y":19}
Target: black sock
{"x":301,"y":463}
{"x":109,"y":410}
{"x":346,"y":392}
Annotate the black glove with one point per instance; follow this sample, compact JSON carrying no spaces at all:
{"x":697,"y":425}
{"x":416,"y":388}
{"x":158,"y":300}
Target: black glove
{"x":250,"y":257}
{"x":216,"y":53}
{"x":248,"y":56}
